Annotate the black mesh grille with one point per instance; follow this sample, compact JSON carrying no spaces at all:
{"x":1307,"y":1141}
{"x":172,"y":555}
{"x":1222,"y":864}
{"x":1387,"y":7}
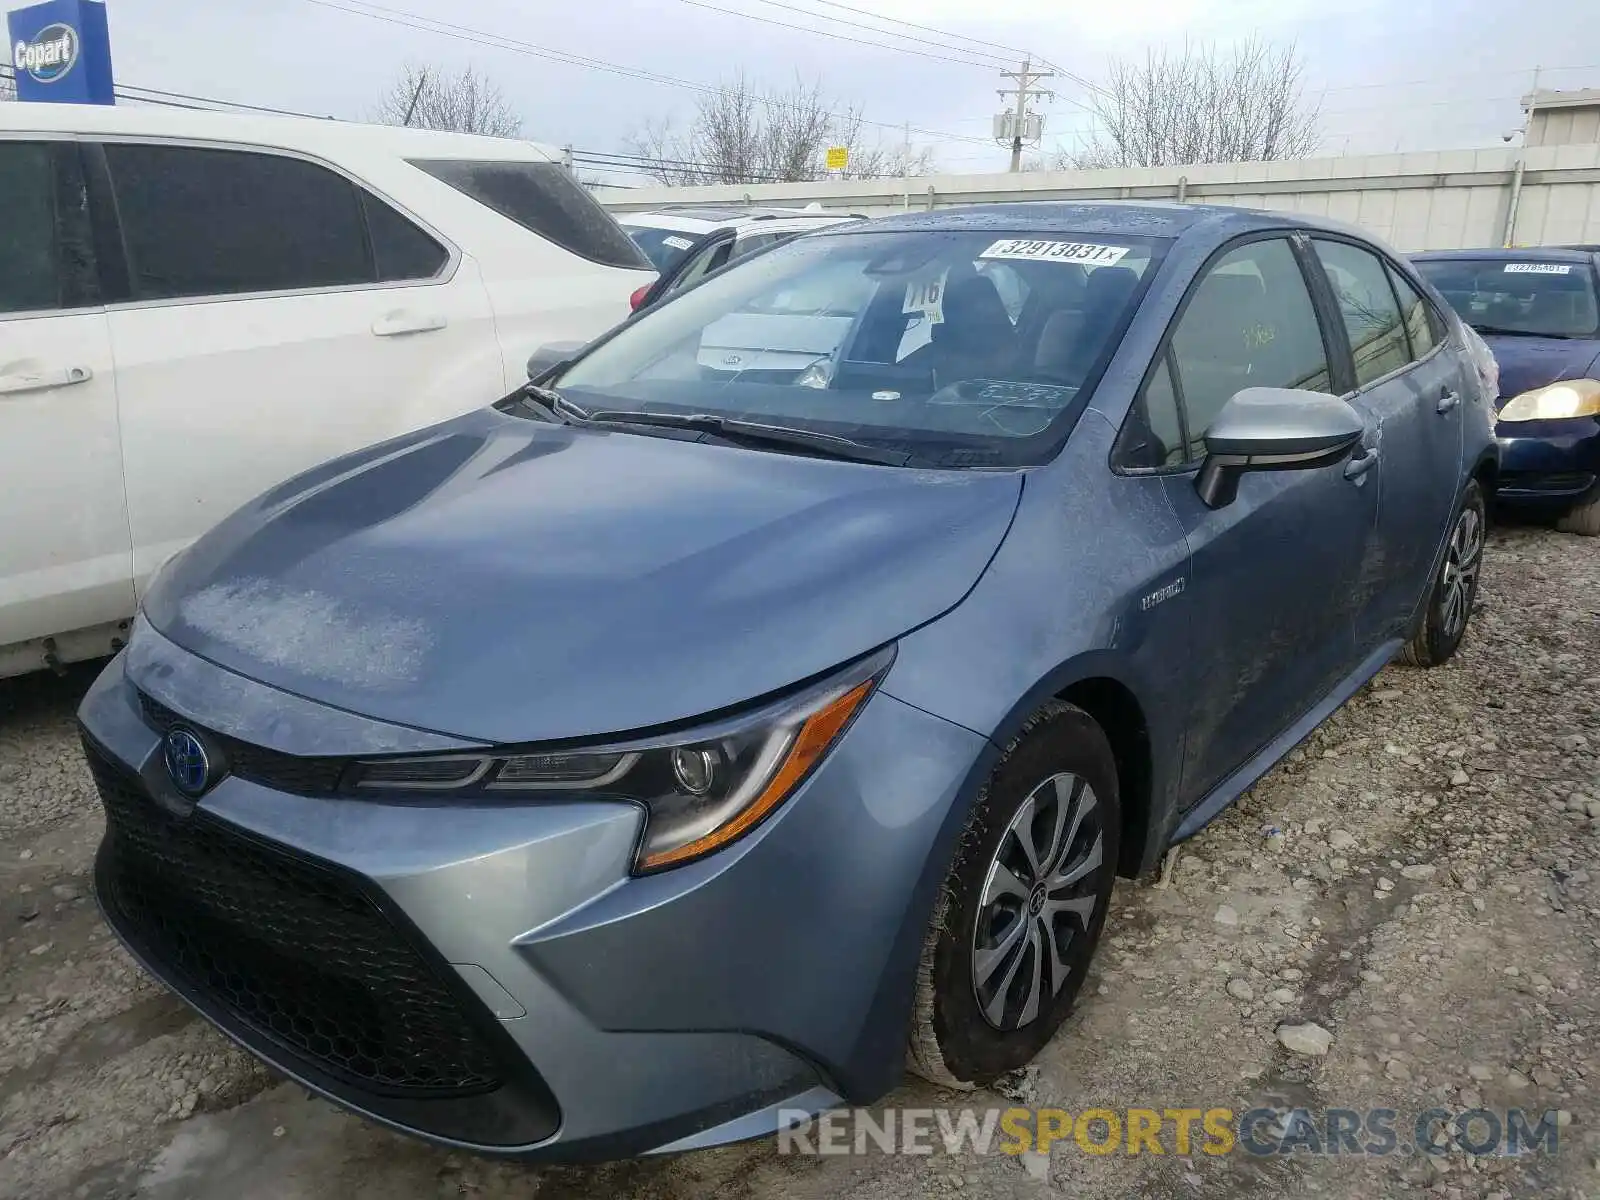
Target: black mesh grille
{"x":271,"y":768}
{"x":295,"y":950}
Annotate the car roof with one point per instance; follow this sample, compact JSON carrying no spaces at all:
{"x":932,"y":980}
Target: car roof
{"x":307,"y":134}
{"x":1554,"y":254}
{"x":728,"y":214}
{"x":1150,"y":218}
{"x":709,"y":219}
{"x":666,"y":220}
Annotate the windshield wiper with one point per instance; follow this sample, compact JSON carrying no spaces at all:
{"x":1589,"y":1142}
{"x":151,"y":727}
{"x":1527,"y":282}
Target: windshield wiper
{"x":1498,"y":331}
{"x":550,"y":404}
{"x":827,"y":445}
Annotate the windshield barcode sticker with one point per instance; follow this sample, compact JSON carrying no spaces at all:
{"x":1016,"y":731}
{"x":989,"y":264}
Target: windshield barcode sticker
{"x":1538,"y":268}
{"x":676,"y":242}
{"x":1092,"y":253}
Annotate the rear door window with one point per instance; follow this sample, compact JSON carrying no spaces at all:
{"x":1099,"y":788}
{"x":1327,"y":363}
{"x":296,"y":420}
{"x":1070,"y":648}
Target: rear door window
{"x":1367,"y":304}
{"x":663,"y":247}
{"x":401,"y":249}
{"x":202,"y":222}
{"x":543,"y":198}
{"x":758,"y":241}
{"x":707,"y":260}
{"x":44,"y":254}
{"x":1422,"y":326}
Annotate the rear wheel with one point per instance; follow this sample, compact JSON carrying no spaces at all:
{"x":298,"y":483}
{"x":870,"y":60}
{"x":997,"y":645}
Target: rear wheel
{"x":1021,"y":910}
{"x":1584,"y":518}
{"x":1449,"y":606}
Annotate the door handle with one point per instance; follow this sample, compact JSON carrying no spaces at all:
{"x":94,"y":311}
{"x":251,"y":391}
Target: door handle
{"x":397,"y":323}
{"x":1447,"y":401}
{"x":1358,"y":467}
{"x":43,"y":381}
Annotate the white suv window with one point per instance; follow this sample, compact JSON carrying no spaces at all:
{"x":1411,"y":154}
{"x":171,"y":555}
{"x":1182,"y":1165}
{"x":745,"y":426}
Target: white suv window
{"x":201,"y":222}
{"x":544,"y":198}
{"x":219,"y":222}
{"x":45,"y":262}
{"x":28,"y":276}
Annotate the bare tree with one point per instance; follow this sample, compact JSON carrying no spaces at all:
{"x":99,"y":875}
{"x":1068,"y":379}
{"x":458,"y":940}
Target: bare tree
{"x":882,"y":160}
{"x":465,"y":102}
{"x":1200,"y":105}
{"x":8,"y":88}
{"x":743,"y":133}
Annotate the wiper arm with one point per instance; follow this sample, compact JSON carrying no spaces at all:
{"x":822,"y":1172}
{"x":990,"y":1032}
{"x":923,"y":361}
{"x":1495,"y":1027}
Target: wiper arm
{"x":551,"y":404}
{"x":1497,"y":331}
{"x":828,"y":445}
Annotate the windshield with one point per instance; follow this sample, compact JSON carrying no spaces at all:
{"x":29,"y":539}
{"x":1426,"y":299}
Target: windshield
{"x":1548,"y":299}
{"x":962,"y":348}
{"x":663,"y":247}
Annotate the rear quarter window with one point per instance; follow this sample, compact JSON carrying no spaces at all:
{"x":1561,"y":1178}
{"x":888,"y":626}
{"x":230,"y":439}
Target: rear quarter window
{"x":543,"y":198}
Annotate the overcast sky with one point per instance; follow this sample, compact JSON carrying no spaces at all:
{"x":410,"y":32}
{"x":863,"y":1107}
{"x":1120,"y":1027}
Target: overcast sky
{"x":1417,"y":75}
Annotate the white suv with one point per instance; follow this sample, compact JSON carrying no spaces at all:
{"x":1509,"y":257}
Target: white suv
{"x":195,"y":306}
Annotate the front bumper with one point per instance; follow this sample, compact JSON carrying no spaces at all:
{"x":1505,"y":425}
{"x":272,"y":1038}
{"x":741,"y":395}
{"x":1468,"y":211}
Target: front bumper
{"x":1548,"y":463}
{"x":490,"y":976}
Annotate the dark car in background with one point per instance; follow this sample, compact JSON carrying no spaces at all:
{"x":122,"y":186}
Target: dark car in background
{"x":671,"y":749}
{"x":1538,"y":311}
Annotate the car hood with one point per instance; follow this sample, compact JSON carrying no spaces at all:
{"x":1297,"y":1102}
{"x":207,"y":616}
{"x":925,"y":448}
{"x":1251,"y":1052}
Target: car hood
{"x":1532,"y":362}
{"x":509,"y":580}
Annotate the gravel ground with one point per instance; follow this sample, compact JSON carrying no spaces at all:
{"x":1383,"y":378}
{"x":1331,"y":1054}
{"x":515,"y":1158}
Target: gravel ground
{"x":1420,"y":881}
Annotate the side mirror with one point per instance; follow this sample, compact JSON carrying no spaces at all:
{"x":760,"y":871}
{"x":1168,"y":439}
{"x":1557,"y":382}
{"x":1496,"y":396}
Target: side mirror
{"x":1274,"y":429}
{"x":550,"y":356}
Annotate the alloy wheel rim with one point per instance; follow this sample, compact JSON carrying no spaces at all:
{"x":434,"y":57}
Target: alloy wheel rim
{"x":1461,"y":563}
{"x":1039,"y":897}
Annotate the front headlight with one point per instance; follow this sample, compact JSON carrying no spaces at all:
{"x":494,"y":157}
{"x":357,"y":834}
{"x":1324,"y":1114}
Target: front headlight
{"x":700,"y":792}
{"x":1569,"y":398}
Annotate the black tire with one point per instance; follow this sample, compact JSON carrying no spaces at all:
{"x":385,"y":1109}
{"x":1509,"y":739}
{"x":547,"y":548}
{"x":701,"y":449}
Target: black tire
{"x":1584,"y":517}
{"x":1455,"y":588}
{"x":953,"y":1042}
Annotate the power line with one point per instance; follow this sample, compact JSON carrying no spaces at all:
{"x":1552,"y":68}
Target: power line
{"x":166,"y":99}
{"x":616,"y":160}
{"x":481,"y":37}
{"x":1010,"y":51}
{"x":965,"y":62}
{"x":642,"y":164}
{"x":1356,"y":87}
{"x":838,"y":37}
{"x":857,"y":25}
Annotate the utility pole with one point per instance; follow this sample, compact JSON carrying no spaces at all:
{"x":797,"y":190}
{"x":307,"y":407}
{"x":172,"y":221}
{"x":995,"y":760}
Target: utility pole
{"x":905,"y":170}
{"x":1024,"y":90}
{"x":411,"y":109}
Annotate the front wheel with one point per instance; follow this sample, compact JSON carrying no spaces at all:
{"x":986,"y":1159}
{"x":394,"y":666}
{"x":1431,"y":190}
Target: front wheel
{"x":1450,"y":600}
{"x":1021,"y":910}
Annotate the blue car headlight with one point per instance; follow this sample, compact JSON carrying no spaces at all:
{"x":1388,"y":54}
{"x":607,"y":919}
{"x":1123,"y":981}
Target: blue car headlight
{"x":701,"y":791}
{"x":1569,"y":398}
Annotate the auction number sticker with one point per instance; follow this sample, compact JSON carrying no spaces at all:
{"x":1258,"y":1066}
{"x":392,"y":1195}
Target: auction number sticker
{"x":1093,"y":253}
{"x":926,"y":296}
{"x":1538,"y":268}
{"x":676,"y":242}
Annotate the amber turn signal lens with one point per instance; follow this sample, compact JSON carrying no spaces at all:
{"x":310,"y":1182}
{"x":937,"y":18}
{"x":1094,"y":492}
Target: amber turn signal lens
{"x":816,"y":735}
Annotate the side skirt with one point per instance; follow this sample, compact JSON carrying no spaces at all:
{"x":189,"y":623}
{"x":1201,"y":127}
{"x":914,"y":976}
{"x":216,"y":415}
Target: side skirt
{"x":1235,"y":785}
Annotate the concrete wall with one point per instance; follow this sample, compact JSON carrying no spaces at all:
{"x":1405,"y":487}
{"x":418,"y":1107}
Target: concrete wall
{"x":1435,"y":200}
{"x":1563,"y":118}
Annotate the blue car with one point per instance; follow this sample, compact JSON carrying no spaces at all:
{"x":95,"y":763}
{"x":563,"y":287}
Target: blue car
{"x":656,"y":756}
{"x":1537,"y":310}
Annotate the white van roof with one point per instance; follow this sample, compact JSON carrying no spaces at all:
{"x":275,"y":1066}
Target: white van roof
{"x":306,"y":134}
